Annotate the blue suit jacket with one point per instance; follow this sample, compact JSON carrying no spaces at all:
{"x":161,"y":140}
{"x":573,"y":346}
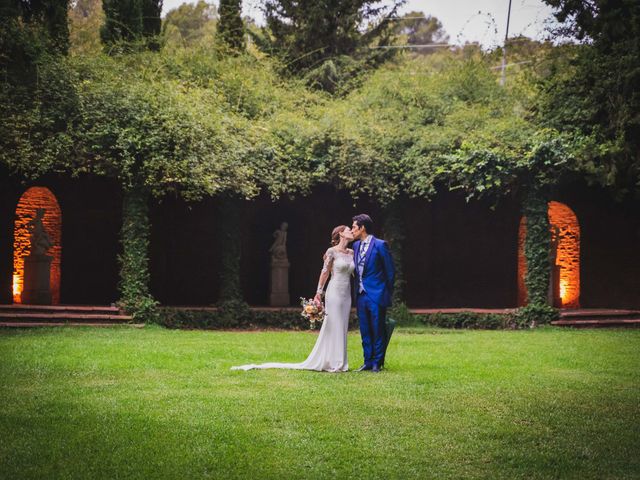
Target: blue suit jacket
{"x":378,"y":274}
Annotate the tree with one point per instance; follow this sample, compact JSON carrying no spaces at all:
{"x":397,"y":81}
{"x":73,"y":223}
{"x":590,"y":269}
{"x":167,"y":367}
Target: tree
{"x":28,"y":30}
{"x":37,"y":97}
{"x":230,"y":26}
{"x":594,"y":88}
{"x":328,"y":40}
{"x":151,"y":22}
{"x":85,"y":20}
{"x":606,"y":22}
{"x":123,"y":21}
{"x":130,"y":22}
{"x":51,"y":16}
{"x":190,"y":19}
{"x":420,"y":29}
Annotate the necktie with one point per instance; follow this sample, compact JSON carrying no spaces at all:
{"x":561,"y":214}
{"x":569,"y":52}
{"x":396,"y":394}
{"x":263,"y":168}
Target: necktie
{"x":363,"y":252}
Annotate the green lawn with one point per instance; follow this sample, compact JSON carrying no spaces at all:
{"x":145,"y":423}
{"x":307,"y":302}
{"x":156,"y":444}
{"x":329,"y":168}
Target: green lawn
{"x":155,"y":403}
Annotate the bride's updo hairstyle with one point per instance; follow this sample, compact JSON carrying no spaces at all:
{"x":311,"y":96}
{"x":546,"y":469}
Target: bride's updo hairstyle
{"x":335,"y":235}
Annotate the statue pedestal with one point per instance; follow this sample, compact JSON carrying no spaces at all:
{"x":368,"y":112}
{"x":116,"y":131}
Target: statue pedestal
{"x":279,"y":296}
{"x":37,"y":286}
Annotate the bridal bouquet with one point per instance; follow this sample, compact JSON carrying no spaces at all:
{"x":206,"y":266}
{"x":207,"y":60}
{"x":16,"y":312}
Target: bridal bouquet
{"x":312,"y":311}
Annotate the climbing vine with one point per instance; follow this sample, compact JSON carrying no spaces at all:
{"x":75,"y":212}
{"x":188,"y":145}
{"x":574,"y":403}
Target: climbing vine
{"x":536,"y":251}
{"x":135,"y":297}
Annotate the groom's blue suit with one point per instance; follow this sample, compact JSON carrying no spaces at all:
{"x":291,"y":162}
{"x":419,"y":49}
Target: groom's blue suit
{"x":375,"y":275}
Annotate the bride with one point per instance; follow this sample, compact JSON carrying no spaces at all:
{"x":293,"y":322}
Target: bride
{"x":330,"y":351}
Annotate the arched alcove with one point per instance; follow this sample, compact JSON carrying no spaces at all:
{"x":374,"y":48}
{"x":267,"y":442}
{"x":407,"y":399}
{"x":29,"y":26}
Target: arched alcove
{"x":565,"y":234}
{"x":32,"y":199}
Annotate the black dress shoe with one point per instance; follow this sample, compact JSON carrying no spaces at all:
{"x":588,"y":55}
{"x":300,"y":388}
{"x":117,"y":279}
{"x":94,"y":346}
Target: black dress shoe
{"x":375,"y":368}
{"x":364,"y":367}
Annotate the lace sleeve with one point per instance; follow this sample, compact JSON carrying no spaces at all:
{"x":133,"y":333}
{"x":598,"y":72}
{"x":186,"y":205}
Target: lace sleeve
{"x":326,"y":270}
{"x":328,"y":260}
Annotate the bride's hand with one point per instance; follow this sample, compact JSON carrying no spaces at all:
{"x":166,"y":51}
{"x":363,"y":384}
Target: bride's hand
{"x":318,"y":298}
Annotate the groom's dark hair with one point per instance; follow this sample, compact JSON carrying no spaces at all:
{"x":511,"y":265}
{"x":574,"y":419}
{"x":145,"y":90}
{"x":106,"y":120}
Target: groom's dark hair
{"x":364,"y":220}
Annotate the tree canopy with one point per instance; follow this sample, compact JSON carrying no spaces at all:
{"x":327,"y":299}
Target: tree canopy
{"x":131,"y":23}
{"x":230,"y":25}
{"x":329,"y":41}
{"x":421,"y":30}
{"x":190,"y":20}
{"x":593,"y":88}
{"x":198,"y":122}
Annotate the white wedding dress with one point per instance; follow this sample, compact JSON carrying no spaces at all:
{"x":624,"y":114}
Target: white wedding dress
{"x":330,"y":351}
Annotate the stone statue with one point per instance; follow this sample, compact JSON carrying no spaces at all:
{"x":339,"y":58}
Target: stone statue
{"x":40,"y":240}
{"x":279,"y":248}
{"x":279,"y":284}
{"x":37,"y":265}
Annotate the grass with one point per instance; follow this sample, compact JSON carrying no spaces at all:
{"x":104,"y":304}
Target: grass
{"x":155,"y":403}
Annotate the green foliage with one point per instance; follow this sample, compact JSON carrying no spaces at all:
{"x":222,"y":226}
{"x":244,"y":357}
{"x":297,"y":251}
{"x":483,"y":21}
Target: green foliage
{"x":191,"y":21}
{"x":29,"y":31}
{"x":536,"y":314}
{"x":537,"y":247}
{"x":185,"y":121}
{"x":131,"y":25}
{"x":135,"y":298}
{"x":469,"y":320}
{"x":401,"y":314}
{"x":419,"y":124}
{"x":230,"y":26}
{"x":123,"y":21}
{"x":245,"y":318}
{"x":85,"y":19}
{"x":231,"y":313}
{"x":197,"y":122}
{"x":36,"y":117}
{"x":416,"y":28}
{"x":593,"y":90}
{"x":175,"y":136}
{"x":151,"y":22}
{"x":48,"y":19}
{"x":328,"y":40}
{"x":603,"y":21}
{"x":242,"y":318}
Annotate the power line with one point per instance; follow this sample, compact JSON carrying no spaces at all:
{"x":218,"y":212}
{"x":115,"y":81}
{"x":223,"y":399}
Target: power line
{"x":510,"y":65}
{"x":427,"y":45}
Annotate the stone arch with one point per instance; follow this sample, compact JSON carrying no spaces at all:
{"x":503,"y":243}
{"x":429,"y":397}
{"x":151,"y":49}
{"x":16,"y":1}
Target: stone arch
{"x":565,"y":289}
{"x":32,"y":199}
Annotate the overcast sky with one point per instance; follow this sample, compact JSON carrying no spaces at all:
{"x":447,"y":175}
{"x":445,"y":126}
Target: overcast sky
{"x":481,"y":21}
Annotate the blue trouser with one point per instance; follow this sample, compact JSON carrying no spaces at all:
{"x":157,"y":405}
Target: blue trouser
{"x":372,"y":329}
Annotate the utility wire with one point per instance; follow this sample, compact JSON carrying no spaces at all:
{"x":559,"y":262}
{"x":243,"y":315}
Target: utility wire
{"x":428,"y":45}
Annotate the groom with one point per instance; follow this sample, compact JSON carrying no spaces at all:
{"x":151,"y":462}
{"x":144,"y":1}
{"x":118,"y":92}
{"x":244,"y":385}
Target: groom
{"x":373,"y":290}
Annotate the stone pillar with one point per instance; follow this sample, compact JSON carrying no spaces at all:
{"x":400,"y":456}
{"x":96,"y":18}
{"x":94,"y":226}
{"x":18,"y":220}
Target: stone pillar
{"x":279,"y":296}
{"x":37,"y":285}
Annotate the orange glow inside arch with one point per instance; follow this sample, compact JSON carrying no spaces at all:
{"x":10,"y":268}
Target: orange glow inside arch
{"x":565,"y":234}
{"x":32,"y":199}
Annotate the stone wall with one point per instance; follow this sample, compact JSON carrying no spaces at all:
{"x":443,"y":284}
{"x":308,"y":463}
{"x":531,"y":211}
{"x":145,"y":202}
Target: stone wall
{"x":457,"y":254}
{"x":609,"y":248}
{"x":90,"y":209}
